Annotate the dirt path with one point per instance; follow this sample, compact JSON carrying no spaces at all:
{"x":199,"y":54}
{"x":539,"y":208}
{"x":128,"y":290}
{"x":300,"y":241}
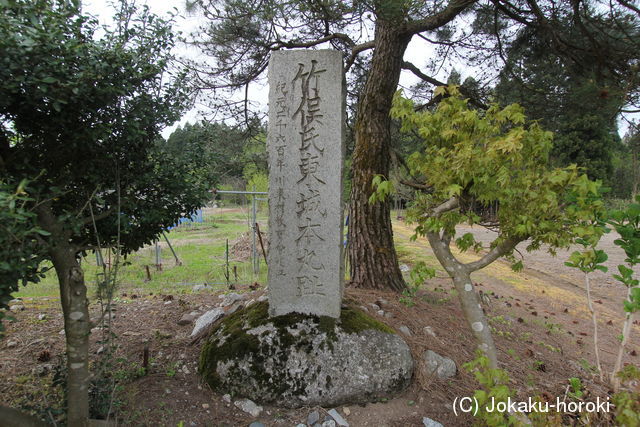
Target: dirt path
{"x":547,"y":289}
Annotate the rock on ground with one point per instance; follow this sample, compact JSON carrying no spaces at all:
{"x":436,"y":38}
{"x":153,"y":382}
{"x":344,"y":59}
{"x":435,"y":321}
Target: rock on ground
{"x":297,"y":360}
{"x":442,"y":367}
{"x":249,"y":406}
{"x":206,"y":320}
{"x":428,"y":422}
{"x":338,"y":418}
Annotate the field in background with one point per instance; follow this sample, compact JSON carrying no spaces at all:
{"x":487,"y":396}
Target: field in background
{"x":201,"y":251}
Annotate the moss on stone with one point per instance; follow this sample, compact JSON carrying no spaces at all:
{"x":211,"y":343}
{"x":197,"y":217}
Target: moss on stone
{"x":353,"y":321}
{"x":229,"y":339}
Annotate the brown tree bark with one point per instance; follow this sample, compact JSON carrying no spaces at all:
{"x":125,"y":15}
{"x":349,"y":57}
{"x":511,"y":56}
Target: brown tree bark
{"x":73,"y":298}
{"x":372,"y":255}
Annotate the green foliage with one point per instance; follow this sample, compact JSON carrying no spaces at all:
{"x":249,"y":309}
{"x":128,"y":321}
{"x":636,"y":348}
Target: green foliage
{"x":381,"y":189}
{"x":627,"y":224}
{"x":493,"y":157}
{"x":83,"y":111}
{"x":20,"y":259}
{"x":556,"y":92}
{"x":588,"y":261}
{"x":419,"y":274}
{"x":627,"y":408}
{"x":495,"y":389}
{"x":576,"y":391}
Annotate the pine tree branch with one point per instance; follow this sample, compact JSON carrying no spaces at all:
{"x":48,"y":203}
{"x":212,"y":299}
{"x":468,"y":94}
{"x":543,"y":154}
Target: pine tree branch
{"x":453,"y":9}
{"x":463,"y":90}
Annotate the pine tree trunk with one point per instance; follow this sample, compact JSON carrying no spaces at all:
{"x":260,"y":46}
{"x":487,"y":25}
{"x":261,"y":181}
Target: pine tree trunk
{"x":372,"y":255}
{"x":73,"y":298}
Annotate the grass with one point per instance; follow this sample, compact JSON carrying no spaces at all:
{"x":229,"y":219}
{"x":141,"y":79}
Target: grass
{"x":200,"y":248}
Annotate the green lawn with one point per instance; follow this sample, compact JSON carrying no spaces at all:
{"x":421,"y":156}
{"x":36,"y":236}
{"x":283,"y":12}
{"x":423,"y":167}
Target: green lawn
{"x":200,"y":248}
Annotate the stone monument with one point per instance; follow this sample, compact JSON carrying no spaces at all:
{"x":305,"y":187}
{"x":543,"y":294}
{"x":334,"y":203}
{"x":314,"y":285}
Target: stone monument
{"x":306,"y":150}
{"x":305,"y":347}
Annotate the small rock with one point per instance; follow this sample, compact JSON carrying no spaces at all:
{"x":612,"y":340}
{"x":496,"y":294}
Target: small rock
{"x":207,"y":319}
{"x":227,"y":398}
{"x":363,"y":308}
{"x":61,"y":332}
{"x":329,"y":423}
{"x":262,"y":298}
{"x":17,"y":307}
{"x":229,"y":299}
{"x":256,"y":424}
{"x":380,"y":312}
{"x":233,"y":309}
{"x":346,"y":411}
{"x":186,"y":319}
{"x":428,"y":422}
{"x":375,"y":307}
{"x":12,"y":344}
{"x":205,"y":406}
{"x":301,"y":425}
{"x":313,"y":418}
{"x":338,"y":418}
{"x":42,"y":316}
{"x":404,"y":268}
{"x":248,"y":406}
{"x":443,"y":367}
{"x":405,"y":330}
{"x":429,"y":331}
{"x":168,"y":302}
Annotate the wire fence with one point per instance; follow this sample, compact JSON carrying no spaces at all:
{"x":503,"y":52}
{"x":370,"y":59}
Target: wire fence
{"x":224,"y":243}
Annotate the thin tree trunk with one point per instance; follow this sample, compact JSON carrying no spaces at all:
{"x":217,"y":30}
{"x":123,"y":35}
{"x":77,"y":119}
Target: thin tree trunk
{"x":469,"y":300}
{"x":372,"y":255}
{"x":73,"y":297}
{"x":626,"y":331}
{"x":595,"y":323}
{"x":635,"y":171}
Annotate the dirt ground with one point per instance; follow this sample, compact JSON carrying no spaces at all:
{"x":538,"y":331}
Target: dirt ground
{"x":542,"y":330}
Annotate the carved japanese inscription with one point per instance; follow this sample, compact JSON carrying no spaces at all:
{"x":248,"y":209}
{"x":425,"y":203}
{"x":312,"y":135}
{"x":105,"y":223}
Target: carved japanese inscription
{"x":306,"y":150}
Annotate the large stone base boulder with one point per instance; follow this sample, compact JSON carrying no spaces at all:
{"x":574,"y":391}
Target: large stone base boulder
{"x":299,"y":360}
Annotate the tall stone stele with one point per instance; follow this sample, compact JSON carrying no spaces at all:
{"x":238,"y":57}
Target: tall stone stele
{"x":304,"y":348}
{"x":306,"y":150}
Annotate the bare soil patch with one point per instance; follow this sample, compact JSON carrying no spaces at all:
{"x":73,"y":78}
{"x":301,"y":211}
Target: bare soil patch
{"x":541,"y":326}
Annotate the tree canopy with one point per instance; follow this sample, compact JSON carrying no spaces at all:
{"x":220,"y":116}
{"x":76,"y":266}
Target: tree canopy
{"x":472,"y":160}
{"x":81,"y":166}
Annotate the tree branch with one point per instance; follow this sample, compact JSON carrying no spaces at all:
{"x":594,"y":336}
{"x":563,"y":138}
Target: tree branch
{"x":453,"y":9}
{"x":96,"y":218}
{"x":280,"y":44}
{"x":449,"y":205}
{"x":418,"y":73}
{"x":499,"y":250}
{"x":355,"y":51}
